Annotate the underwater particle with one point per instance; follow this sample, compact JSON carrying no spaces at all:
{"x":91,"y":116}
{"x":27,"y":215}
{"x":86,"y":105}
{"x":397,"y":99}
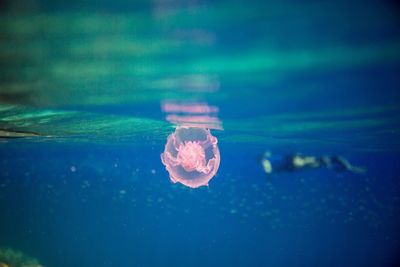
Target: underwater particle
{"x":85,"y":184}
{"x":191,"y":156}
{"x":153,"y":171}
{"x":233,"y":211}
{"x":73,"y":168}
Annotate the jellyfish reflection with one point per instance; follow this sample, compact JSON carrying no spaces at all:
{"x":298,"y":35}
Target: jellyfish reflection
{"x":191,"y":155}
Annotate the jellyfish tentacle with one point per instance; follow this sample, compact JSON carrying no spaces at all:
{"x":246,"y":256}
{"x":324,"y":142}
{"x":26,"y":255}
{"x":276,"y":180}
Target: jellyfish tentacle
{"x":210,"y":141}
{"x":210,"y":164}
{"x":201,"y":166}
{"x":206,"y":169}
{"x":175,"y":143}
{"x":171,"y":159}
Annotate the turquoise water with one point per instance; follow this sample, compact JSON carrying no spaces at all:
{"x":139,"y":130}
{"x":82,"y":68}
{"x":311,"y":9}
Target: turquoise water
{"x":83,"y":89}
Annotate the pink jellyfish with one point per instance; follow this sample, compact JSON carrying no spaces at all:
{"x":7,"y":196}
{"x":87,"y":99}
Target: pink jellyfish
{"x":191,"y":156}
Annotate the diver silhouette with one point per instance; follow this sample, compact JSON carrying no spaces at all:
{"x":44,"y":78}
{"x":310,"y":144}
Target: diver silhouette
{"x":272,"y":163}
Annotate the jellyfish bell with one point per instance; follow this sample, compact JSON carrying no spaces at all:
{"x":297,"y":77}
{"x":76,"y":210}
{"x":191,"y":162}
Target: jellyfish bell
{"x":191,"y":156}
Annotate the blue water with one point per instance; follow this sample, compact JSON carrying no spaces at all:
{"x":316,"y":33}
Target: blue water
{"x":113,"y":211}
{"x":81,"y":90}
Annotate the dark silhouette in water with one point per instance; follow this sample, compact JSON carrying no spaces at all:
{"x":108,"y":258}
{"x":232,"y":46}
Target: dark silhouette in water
{"x":7,"y":133}
{"x":288,"y":163}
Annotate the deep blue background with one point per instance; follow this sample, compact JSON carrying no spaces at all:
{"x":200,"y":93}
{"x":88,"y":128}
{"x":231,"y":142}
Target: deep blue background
{"x":244,"y":218}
